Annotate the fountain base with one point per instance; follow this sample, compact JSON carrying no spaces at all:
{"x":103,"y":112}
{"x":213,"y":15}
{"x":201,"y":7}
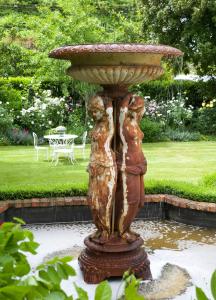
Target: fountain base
{"x":99,"y":262}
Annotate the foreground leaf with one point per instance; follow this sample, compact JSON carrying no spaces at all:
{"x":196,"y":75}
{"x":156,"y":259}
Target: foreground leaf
{"x":14,"y":292}
{"x":55,"y":296}
{"x":103,"y":291}
{"x":81,"y":293}
{"x":213,"y":284}
{"x":200,"y":294}
{"x":131,"y":289}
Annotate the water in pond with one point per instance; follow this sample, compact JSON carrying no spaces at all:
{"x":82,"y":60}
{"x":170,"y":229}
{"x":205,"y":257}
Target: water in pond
{"x":190,"y":248}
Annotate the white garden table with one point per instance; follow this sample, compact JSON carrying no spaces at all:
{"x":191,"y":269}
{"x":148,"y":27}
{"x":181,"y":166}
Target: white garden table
{"x":60,"y":139}
{"x":61,"y":144}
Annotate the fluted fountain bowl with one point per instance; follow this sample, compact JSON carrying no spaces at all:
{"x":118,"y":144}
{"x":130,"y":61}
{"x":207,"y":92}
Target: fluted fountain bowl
{"x":115,"y":64}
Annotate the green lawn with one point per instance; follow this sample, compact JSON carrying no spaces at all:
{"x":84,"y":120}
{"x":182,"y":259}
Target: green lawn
{"x":169,"y":165}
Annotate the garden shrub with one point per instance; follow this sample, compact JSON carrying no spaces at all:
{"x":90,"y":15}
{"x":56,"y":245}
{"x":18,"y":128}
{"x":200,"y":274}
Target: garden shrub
{"x":153,"y":131}
{"x":4,"y":141}
{"x":6,"y":120}
{"x":10,"y":97}
{"x":170,"y":113}
{"x":18,"y":136}
{"x":205,"y":118}
{"x":17,"y":83}
{"x":78,"y":123}
{"x":195,"y":92}
{"x":182,"y":135}
{"x":45,"y":112}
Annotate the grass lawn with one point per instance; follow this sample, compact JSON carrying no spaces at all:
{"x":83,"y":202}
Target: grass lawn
{"x":176,"y":165}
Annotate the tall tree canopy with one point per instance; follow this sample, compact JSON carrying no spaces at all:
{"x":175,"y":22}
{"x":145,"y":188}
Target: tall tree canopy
{"x":30,"y":29}
{"x":189,"y":25}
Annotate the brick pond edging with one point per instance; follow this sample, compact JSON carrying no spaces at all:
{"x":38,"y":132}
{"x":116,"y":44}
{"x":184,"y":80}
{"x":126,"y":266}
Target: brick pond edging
{"x":68,"y":209}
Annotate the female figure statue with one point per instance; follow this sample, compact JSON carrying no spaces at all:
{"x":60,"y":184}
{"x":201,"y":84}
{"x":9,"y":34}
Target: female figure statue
{"x":102,"y":167}
{"x":131,"y":164}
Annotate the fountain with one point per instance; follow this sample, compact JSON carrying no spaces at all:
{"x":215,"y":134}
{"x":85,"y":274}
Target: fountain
{"x":117,"y":164}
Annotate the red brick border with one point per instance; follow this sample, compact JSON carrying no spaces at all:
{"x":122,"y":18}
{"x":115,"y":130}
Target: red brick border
{"x":81,"y":200}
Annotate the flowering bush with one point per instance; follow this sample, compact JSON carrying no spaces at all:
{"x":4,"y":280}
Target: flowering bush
{"x":20,"y":136}
{"x":205,"y":118}
{"x":6,"y":120}
{"x":44,"y":113}
{"x":171,"y":113}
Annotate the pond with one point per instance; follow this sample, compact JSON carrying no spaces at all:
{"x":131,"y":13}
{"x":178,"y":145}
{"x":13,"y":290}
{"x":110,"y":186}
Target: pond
{"x":192,"y":249}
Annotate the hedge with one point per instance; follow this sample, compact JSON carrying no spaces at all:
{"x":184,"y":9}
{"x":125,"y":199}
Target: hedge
{"x":182,"y":189}
{"x":196,"y":91}
{"x":18,"y":83}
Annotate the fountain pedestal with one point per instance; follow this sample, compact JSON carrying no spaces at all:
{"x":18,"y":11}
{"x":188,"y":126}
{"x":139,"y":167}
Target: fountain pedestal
{"x":98,"y":262}
{"x":117,"y":164}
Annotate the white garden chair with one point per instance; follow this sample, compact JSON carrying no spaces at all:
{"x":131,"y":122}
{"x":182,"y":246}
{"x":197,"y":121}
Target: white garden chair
{"x":67,"y":152}
{"x":82,"y":146}
{"x":38,"y":148}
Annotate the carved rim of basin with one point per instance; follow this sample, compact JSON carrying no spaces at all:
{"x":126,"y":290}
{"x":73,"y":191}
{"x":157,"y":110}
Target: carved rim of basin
{"x":109,"y":64}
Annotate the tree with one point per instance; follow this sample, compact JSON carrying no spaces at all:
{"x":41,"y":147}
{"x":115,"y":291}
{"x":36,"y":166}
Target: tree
{"x":29,"y":30}
{"x":189,"y":25}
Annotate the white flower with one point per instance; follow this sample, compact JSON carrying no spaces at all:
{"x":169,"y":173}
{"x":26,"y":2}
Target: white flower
{"x":43,"y":106}
{"x":48,"y":92}
{"x":90,"y":126}
{"x":49,"y":122}
{"x":7,"y":102}
{"x":32,"y":122}
{"x":0,"y":102}
{"x":23,"y":112}
{"x":42,"y":116}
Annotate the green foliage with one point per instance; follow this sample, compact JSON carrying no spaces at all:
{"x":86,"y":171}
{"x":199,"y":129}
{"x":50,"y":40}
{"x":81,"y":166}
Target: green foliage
{"x":182,"y":135}
{"x":205,"y":120}
{"x":200,"y":295}
{"x":190,"y":191}
{"x":131,"y":287}
{"x":16,"y":282}
{"x":49,"y":24}
{"x":182,"y":189}
{"x":19,"y":282}
{"x":195,"y":92}
{"x":153,"y":131}
{"x":81,"y":293}
{"x":18,"y":83}
{"x":4,"y":141}
{"x":103,"y":291}
{"x":77,"y":123}
{"x":187,"y":25}
{"x":6,"y":120}
{"x":10,"y":97}
{"x":17,"y":136}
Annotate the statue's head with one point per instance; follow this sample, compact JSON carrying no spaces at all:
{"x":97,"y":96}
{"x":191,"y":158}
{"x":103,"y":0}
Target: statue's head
{"x":96,"y":108}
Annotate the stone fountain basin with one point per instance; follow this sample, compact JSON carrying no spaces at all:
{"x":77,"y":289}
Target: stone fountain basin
{"x":109,"y":64}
